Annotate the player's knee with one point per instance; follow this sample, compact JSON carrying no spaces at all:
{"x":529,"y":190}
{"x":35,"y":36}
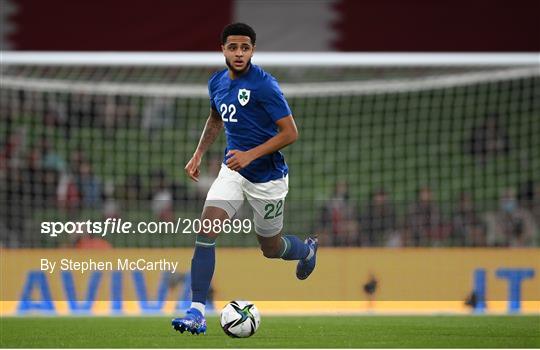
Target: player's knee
{"x":211,"y":220}
{"x":271,"y":251}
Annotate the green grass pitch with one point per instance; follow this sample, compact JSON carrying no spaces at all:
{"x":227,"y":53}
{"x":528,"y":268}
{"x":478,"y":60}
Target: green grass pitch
{"x":277,"y":332}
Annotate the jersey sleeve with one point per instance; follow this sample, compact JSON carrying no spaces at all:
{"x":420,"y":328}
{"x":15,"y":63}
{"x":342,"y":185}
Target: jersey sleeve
{"x":211,"y":93}
{"x":273,"y":101}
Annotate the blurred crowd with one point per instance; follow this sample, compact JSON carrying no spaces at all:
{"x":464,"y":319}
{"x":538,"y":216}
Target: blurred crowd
{"x":37,"y":179}
{"x":428,"y":222}
{"x":422,"y":222}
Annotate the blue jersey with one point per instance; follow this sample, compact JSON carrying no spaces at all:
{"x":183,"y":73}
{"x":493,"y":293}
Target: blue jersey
{"x":250,"y":106}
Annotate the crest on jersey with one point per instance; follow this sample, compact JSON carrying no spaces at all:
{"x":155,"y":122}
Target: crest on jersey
{"x":243,"y":96}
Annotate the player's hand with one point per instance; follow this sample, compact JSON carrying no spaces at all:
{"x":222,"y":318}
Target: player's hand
{"x":238,"y":159}
{"x":192,"y":167}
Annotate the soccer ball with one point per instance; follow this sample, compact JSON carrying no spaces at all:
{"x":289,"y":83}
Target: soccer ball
{"x":240,"y":319}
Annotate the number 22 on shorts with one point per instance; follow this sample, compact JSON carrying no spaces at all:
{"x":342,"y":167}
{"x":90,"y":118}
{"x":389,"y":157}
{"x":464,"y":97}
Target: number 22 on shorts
{"x":270,"y":208}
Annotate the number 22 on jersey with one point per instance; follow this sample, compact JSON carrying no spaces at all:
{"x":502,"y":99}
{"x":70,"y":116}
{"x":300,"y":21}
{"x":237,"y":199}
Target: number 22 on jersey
{"x":231,"y":110}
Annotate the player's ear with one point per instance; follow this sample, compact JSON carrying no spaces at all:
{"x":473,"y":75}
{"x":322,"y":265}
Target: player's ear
{"x":254,"y":46}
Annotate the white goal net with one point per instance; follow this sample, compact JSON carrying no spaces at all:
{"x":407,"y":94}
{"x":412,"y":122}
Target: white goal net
{"x":394,"y":150}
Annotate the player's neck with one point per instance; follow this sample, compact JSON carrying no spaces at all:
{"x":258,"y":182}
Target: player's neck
{"x":235,"y":75}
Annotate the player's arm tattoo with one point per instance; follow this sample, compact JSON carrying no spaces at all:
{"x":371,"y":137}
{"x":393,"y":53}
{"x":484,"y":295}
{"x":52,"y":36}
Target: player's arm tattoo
{"x":211,"y":131}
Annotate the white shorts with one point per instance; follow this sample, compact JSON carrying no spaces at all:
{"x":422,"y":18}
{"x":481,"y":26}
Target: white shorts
{"x":267,"y":199}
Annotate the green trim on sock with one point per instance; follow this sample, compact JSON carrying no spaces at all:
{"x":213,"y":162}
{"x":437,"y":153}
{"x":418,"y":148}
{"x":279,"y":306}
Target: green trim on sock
{"x":205,"y":241}
{"x":202,"y":244}
{"x":286,"y":246}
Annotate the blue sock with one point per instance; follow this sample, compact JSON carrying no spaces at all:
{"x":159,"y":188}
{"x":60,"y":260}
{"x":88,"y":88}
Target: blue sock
{"x":293,"y":248}
{"x":202,"y":268}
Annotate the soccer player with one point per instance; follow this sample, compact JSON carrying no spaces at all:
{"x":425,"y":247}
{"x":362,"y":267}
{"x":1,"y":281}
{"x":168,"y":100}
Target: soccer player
{"x":248,"y":103}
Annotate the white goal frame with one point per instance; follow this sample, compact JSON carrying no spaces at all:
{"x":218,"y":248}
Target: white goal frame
{"x":275,"y":59}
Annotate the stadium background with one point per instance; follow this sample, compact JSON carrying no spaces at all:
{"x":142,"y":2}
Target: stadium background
{"x":442,"y":176}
